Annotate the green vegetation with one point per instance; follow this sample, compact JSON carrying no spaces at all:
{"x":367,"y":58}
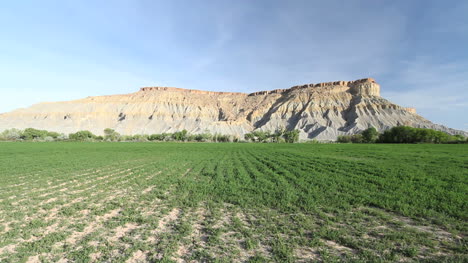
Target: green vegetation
{"x":399,"y":134}
{"x":370,"y":135}
{"x":402,"y":134}
{"x":173,"y":202}
{"x":280,"y":135}
{"x":82,"y":136}
{"x":405,"y":134}
{"x":111,"y":135}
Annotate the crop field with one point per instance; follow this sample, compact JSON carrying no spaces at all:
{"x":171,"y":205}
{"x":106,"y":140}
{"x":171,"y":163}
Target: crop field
{"x":207,"y":202}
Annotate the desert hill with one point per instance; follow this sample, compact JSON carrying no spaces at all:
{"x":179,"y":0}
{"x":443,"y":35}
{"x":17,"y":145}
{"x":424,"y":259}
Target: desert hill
{"x":320,"y":111}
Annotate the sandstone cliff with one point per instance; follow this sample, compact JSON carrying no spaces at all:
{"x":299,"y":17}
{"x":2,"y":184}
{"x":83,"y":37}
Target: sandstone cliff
{"x":320,"y":111}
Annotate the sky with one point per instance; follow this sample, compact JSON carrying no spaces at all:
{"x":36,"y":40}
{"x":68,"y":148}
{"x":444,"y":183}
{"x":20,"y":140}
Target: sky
{"x":63,"y":50}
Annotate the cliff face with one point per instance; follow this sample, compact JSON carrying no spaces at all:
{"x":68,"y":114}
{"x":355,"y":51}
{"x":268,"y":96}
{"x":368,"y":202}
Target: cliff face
{"x":320,"y":111}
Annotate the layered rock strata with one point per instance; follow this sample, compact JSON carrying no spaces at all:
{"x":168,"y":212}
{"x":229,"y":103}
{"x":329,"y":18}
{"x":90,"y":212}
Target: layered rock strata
{"x":320,"y":111}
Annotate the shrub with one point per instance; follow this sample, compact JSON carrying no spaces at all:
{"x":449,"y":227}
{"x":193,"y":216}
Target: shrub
{"x":62,"y":137}
{"x":344,"y":139}
{"x":157,"y":137}
{"x":278,"y":135}
{"x":49,"y":139}
{"x":261,"y":136}
{"x":370,"y":135}
{"x":249,"y":137}
{"x":82,"y":136}
{"x":33,"y":134}
{"x":180,"y":136}
{"x":357,"y":138}
{"x":135,"y":138}
{"x":291,"y":136}
{"x":221,"y":138}
{"x":203,"y":137}
{"x":11,"y":135}
{"x":111,"y":135}
{"x":405,"y":134}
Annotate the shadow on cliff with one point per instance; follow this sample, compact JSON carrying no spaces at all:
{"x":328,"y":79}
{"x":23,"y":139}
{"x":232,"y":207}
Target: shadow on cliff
{"x":350,"y":114}
{"x":292,"y":122}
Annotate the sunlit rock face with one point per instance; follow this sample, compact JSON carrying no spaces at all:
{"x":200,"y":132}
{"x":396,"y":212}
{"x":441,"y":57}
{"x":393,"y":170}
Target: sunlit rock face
{"x":320,"y":111}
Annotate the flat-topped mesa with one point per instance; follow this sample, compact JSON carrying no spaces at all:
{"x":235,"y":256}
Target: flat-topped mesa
{"x":367,"y":86}
{"x":364,"y":87}
{"x":193,"y":91}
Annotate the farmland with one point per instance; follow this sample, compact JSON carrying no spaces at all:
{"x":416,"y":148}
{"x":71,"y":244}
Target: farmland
{"x":207,"y":202}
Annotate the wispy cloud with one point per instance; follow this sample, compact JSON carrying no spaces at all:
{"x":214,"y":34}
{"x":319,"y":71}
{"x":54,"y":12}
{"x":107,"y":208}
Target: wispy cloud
{"x":438,"y":90}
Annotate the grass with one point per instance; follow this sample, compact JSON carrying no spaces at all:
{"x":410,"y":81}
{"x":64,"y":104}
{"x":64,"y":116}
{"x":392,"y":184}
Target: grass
{"x":176,"y":202}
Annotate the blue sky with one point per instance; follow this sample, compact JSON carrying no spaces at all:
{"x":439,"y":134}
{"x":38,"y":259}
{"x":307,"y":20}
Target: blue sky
{"x":62,"y":50}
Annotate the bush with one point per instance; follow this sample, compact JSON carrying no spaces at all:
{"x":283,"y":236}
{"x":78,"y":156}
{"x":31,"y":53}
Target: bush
{"x":35,"y":134}
{"x":370,"y":135}
{"x":49,"y":139}
{"x":62,"y":137}
{"x":405,"y":134}
{"x":82,"y":136}
{"x":180,"y":136}
{"x":402,"y":134}
{"x":280,"y":135}
{"x":291,"y":136}
{"x":11,"y":135}
{"x":140,"y":138}
{"x":249,"y":137}
{"x":157,"y":137}
{"x":357,"y":138}
{"x":221,"y":138}
{"x":203,"y":137}
{"x":111,"y":135}
{"x":261,"y":136}
{"x":344,"y":139}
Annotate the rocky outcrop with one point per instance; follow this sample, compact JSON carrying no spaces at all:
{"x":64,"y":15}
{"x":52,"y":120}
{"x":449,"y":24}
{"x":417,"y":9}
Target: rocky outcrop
{"x":412,"y":110}
{"x":320,"y":111}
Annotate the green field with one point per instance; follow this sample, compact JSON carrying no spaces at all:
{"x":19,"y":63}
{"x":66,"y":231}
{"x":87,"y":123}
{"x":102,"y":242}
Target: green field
{"x":207,"y":202}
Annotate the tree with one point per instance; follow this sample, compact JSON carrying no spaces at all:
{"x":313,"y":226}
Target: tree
{"x":157,"y":137}
{"x":249,"y":137}
{"x":203,"y":137}
{"x":344,"y":139}
{"x":291,"y":136}
{"x":405,"y":134}
{"x":180,"y":136}
{"x":54,"y":135}
{"x":139,"y":138}
{"x":221,"y":138}
{"x":357,"y":138}
{"x":261,"y":136}
{"x":370,"y":135}
{"x":82,"y":136}
{"x":11,"y":135}
{"x":32,"y":134}
{"x":111,"y":135}
{"x":278,"y":135}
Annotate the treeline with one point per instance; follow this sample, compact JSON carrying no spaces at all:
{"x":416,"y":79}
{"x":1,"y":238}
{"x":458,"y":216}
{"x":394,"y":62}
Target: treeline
{"x":399,"y":134}
{"x":402,"y":134}
{"x":280,"y":135}
{"x":111,"y":135}
{"x":31,"y":134}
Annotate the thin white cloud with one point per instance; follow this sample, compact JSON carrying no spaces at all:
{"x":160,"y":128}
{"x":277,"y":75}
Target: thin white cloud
{"x":432,"y":87}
